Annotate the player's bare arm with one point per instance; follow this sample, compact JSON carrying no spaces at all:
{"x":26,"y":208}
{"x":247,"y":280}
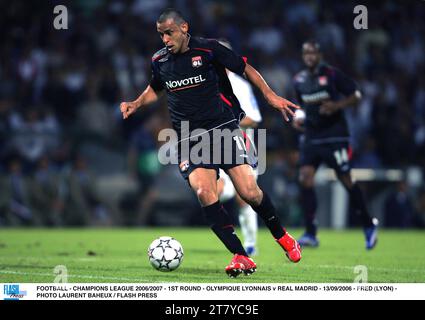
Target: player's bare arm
{"x":271,"y":97}
{"x":147,"y":97}
{"x":330,"y":107}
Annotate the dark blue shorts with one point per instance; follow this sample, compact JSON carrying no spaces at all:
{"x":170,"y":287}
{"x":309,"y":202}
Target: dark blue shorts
{"x":234,"y":149}
{"x":336,"y":155}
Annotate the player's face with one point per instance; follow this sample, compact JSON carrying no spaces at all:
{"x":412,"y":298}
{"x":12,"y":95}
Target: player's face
{"x":174,"y":36}
{"x":311,"y":55}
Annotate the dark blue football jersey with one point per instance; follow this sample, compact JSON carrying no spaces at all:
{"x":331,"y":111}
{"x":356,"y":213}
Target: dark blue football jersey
{"x":313,"y":89}
{"x":196,"y":84}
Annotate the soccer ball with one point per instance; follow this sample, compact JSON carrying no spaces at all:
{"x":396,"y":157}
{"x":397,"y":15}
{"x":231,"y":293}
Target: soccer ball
{"x":299,"y":115}
{"x":165,"y":254}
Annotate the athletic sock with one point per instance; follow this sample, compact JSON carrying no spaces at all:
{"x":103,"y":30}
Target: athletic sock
{"x":222,"y":225}
{"x":358,"y":204}
{"x":267,"y":212}
{"x":309,"y":206}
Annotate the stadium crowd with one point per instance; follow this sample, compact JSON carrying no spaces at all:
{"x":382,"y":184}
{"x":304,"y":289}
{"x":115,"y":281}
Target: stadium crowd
{"x":60,"y":91}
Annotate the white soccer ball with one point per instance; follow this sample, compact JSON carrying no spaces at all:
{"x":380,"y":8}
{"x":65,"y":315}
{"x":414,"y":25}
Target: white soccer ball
{"x":165,"y":254}
{"x":299,"y":115}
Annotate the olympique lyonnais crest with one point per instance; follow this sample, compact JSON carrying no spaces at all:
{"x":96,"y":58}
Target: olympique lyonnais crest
{"x":323,"y":80}
{"x":197,"y":61}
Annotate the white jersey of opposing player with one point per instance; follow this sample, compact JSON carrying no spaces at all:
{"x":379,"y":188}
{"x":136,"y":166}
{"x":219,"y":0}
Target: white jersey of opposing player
{"x":243,"y":91}
{"x":247,"y":216}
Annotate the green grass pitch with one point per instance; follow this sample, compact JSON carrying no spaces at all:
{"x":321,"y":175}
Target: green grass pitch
{"x":120,"y":255}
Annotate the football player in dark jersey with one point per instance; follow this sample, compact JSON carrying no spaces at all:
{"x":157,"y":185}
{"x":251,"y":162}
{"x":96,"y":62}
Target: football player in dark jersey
{"x":324,"y":92}
{"x":192,"y":72}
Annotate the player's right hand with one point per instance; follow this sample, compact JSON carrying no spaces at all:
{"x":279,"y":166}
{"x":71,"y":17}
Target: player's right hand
{"x":128,"y":108}
{"x":282,"y":104}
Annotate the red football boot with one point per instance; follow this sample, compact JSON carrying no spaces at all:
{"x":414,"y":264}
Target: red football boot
{"x":291,"y":247}
{"x":240,"y":264}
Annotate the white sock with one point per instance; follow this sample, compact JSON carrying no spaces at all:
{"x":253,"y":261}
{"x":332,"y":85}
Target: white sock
{"x":249,"y":225}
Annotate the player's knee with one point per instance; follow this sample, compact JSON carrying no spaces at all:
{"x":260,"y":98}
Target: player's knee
{"x":252,"y":195}
{"x":206,"y":196}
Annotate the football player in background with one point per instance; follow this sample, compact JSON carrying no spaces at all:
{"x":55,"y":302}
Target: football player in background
{"x":324,"y":92}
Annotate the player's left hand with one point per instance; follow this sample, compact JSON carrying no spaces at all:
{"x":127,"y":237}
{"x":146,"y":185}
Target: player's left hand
{"x":328,"y":108}
{"x":283,"y":105}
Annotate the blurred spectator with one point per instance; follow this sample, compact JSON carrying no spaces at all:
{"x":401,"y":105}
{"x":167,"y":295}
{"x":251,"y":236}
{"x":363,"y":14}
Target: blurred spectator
{"x":5,"y":110}
{"x":301,"y":12}
{"x":45,"y":194}
{"x":276,"y":75}
{"x":15,"y":207}
{"x":267,"y":37}
{"x":420,"y":207}
{"x":370,"y":43}
{"x":399,"y":210}
{"x":142,"y":156}
{"x":33,"y":135}
{"x":330,"y":34}
{"x":94,"y":119}
{"x":149,"y":9}
{"x":367,"y":155}
{"x":408,"y":55}
{"x":55,"y":94}
{"x":83,"y":204}
{"x":359,"y":118}
{"x":419,"y":118}
{"x":144,"y":168}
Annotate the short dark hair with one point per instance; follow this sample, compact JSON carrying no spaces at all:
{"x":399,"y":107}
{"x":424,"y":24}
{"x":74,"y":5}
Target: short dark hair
{"x":313,"y":43}
{"x":171,"y":13}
